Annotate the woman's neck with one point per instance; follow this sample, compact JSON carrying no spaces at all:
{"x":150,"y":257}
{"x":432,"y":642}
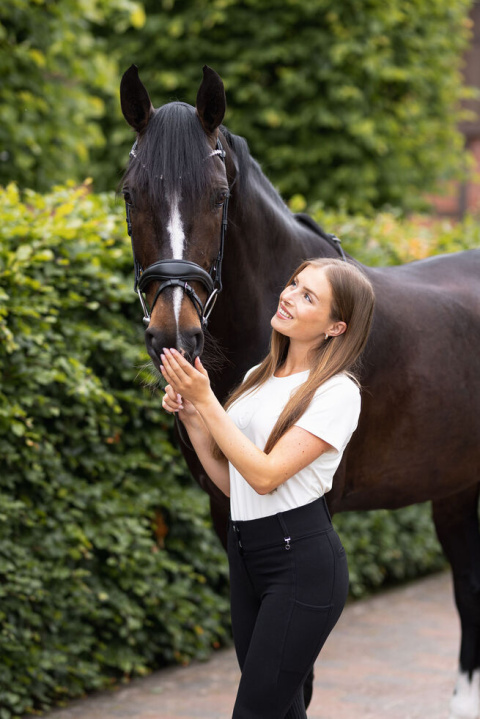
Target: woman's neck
{"x":296,"y":361}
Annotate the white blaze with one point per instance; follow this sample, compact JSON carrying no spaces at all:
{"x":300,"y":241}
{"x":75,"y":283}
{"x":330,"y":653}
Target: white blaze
{"x":175,"y":230}
{"x":177,"y":242}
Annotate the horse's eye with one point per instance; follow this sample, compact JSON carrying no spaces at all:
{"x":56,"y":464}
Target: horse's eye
{"x":127,"y":197}
{"x":220,"y":197}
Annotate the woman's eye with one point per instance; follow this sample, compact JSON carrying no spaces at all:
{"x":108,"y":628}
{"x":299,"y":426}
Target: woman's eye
{"x":308,"y":297}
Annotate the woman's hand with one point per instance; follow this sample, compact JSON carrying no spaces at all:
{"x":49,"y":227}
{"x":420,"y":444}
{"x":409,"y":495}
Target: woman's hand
{"x":192,"y":383}
{"x":173,"y":402}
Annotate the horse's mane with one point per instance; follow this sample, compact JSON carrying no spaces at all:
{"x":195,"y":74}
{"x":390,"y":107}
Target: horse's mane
{"x":251,"y":177}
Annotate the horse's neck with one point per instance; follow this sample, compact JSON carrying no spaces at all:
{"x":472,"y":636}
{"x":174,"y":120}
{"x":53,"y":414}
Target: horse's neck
{"x":264,"y":244}
{"x":263,"y":233}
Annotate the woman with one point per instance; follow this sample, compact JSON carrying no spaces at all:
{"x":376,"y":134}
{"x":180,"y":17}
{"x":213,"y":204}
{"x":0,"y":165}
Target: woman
{"x":274,"y":449}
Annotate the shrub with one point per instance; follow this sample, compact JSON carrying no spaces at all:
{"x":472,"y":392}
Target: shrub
{"x":108,"y":563}
{"x":388,"y":239}
{"x":355,"y":104}
{"x":385,"y":547}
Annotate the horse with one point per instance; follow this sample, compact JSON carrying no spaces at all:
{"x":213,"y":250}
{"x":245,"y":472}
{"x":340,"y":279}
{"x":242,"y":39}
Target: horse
{"x":189,"y":179}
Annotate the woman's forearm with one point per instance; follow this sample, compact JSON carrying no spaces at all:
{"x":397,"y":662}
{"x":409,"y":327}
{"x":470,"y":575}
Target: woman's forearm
{"x":192,"y":383}
{"x":253,"y":464}
{"x":201,"y":439}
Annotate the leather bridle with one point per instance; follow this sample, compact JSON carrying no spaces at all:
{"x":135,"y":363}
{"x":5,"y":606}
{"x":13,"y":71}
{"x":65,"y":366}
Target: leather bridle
{"x":179,"y":273}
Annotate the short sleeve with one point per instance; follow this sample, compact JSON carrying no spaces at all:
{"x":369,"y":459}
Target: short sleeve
{"x":333,"y":412}
{"x":247,"y":374}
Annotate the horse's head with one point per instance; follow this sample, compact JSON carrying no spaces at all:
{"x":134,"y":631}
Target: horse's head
{"x":176,"y":189}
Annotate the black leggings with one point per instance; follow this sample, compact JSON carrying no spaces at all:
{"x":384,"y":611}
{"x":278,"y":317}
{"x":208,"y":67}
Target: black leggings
{"x":289,"y":584}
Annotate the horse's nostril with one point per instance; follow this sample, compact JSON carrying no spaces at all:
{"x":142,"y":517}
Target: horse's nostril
{"x":191,"y":344}
{"x":155,"y":341}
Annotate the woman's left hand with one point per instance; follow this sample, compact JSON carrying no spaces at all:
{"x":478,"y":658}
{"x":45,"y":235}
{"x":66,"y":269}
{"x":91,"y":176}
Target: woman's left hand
{"x":191,"y":382}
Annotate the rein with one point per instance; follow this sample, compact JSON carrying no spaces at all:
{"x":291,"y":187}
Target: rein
{"x":179,"y":273}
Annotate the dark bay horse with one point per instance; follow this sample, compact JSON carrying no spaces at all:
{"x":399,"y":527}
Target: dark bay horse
{"x":419,"y":433}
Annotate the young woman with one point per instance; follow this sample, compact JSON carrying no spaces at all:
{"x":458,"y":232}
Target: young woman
{"x":274,"y":449}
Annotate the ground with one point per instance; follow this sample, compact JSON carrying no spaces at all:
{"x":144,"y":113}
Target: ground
{"x":393,"y":655}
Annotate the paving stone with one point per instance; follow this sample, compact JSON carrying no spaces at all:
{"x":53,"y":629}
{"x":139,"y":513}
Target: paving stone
{"x":391,"y":656}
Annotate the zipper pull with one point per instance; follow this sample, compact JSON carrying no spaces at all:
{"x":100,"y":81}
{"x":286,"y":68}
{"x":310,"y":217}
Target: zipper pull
{"x":287,"y":542}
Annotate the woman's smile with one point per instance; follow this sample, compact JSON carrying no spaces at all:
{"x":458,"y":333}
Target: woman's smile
{"x":283,"y":313}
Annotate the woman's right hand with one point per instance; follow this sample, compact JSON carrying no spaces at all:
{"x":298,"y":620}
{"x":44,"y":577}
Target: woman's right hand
{"x":173,"y":402}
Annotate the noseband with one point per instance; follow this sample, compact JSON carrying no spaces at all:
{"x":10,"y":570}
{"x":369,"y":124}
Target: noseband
{"x":179,"y":273}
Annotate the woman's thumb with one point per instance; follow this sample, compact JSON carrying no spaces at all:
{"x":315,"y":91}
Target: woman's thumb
{"x":200,"y":366}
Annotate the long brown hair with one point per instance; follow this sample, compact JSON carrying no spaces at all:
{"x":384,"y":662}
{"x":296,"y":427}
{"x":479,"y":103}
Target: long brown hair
{"x":353,"y":301}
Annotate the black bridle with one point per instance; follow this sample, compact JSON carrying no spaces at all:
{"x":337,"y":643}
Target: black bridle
{"x":179,"y":273}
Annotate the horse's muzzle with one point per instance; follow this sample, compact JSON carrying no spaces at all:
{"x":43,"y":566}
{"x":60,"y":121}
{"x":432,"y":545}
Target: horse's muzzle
{"x":188,"y":341}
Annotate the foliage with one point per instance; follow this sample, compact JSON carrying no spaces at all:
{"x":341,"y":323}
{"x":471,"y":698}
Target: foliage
{"x":108,"y":562}
{"x":388,"y":239}
{"x":386,"y":547}
{"x":351,"y":103}
{"x":56,"y":72}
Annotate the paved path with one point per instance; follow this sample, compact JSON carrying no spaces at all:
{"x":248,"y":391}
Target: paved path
{"x":392,"y":656}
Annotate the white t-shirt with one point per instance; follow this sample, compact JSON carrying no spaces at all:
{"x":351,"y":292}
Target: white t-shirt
{"x":332,"y":415}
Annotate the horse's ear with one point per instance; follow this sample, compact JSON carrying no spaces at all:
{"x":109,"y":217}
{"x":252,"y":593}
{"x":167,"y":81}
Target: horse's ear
{"x":211,"y":103}
{"x":136,"y":106}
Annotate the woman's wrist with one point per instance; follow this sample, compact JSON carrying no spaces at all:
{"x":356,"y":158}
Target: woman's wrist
{"x":207,"y":404}
{"x":192,"y":420}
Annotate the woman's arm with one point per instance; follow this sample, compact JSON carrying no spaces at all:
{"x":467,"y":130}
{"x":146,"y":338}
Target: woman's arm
{"x":264,"y":472}
{"x":200,"y":437}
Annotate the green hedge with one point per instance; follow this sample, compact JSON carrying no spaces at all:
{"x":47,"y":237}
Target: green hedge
{"x":348,"y":102}
{"x":353,"y":103}
{"x":109,"y":566}
{"x":91,"y":591}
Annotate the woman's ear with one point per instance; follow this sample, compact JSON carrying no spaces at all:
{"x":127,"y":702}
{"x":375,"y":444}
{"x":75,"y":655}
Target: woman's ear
{"x":338,"y":328}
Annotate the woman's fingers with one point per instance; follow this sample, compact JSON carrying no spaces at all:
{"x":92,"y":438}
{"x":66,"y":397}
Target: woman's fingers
{"x":199,"y":366}
{"x":172,"y":401}
{"x":170,"y":368}
{"x":177,"y":362}
{"x":171,"y":406}
{"x":192,"y":383}
{"x":176,"y":369}
{"x":172,"y":393}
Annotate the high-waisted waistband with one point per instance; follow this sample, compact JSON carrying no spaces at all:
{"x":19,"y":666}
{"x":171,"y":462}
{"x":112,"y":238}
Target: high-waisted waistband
{"x":283,"y":527}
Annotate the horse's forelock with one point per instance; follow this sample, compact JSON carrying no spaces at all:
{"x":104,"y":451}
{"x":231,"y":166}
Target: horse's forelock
{"x":172,"y":156}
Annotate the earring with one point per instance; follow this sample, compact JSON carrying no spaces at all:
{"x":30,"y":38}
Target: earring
{"x":326,"y":337}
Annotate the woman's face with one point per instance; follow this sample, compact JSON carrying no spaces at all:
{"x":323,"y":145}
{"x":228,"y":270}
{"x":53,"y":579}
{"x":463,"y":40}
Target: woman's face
{"x":304,"y":307}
